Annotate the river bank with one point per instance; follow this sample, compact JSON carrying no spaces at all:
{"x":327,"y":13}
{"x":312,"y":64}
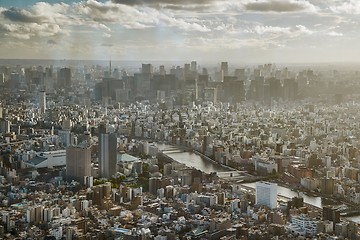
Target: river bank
{"x":197,"y":161}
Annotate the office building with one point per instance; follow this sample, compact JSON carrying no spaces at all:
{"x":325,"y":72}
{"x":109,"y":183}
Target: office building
{"x":290,"y":89}
{"x":193,"y":66}
{"x":154,"y":184}
{"x":327,"y":185}
{"x":303,"y":225}
{"x":225,"y":68}
{"x":4,"y":126}
{"x":210,"y":94}
{"x":107,"y":154}
{"x":146,"y":69}
{"x":266,"y":194}
{"x":331,"y":214}
{"x":78,"y":162}
{"x":162,"y":70}
{"x":64,"y":78}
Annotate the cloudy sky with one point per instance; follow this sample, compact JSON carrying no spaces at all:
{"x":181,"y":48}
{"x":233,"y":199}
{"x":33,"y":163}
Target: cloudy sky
{"x":202,"y":30}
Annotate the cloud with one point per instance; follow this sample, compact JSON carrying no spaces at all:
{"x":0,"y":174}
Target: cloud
{"x":40,"y":12}
{"x":107,"y":35}
{"x":176,"y":5}
{"x":26,"y":31}
{"x":91,"y":28}
{"x":275,"y":30}
{"x":335,"y":34}
{"x":40,"y":20}
{"x":43,"y":20}
{"x":279,"y":6}
{"x":347,"y":7}
{"x":303,"y":29}
{"x":20,"y":15}
{"x":270,"y":29}
{"x":135,"y":17}
{"x":155,"y":2}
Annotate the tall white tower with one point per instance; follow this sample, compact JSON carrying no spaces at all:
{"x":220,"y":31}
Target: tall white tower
{"x":266,"y":194}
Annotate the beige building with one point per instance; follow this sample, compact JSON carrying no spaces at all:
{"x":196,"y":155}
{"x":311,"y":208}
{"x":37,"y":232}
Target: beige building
{"x":78,"y":163}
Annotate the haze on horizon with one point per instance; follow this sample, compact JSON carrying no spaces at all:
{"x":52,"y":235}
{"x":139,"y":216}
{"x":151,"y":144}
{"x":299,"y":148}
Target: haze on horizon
{"x":205,"y":30}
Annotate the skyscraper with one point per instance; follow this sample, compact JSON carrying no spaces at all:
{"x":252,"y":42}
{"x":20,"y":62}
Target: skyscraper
{"x":78,"y":163}
{"x":225,"y":68}
{"x":42,"y":101}
{"x":193,"y":66}
{"x":49,"y":79}
{"x":107,"y":154}
{"x":266,"y":194}
{"x":64,"y":78}
{"x":146,"y":68}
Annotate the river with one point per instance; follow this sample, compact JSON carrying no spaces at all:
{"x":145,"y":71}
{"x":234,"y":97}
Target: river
{"x":191,"y":159}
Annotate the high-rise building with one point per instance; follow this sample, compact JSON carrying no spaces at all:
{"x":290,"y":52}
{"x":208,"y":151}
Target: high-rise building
{"x":78,"y":162}
{"x":49,"y":79}
{"x":65,"y":137}
{"x":266,"y":194}
{"x":42,"y":101}
{"x":256,"y":90}
{"x":187,"y":69}
{"x":193,"y":66}
{"x":107,"y":154}
{"x":146,"y":69}
{"x":64,"y":78}
{"x":162,"y":70}
{"x":290,"y":89}
{"x":225,"y":68}
{"x":275,"y":88}
{"x":327,"y":185}
{"x":154,"y":183}
{"x":4,"y":126}
{"x":332,"y":214}
{"x":210,"y":94}
{"x":234,"y":89}
{"x":240,"y":74}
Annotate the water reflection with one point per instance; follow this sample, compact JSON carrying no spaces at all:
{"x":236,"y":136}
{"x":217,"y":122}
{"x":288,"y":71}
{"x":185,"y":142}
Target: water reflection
{"x":191,"y":159}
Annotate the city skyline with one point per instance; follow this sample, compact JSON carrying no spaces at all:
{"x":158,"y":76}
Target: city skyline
{"x":236,"y":31}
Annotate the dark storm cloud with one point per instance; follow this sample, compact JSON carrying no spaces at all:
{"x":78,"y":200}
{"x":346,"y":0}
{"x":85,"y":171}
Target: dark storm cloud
{"x":19,"y":15}
{"x":278,"y":6}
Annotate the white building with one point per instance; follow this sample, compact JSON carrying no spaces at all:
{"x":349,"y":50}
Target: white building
{"x":303,"y":225}
{"x":56,"y":232}
{"x":264,"y":165}
{"x":64,"y":137}
{"x":209,"y":200}
{"x":266,"y":194}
